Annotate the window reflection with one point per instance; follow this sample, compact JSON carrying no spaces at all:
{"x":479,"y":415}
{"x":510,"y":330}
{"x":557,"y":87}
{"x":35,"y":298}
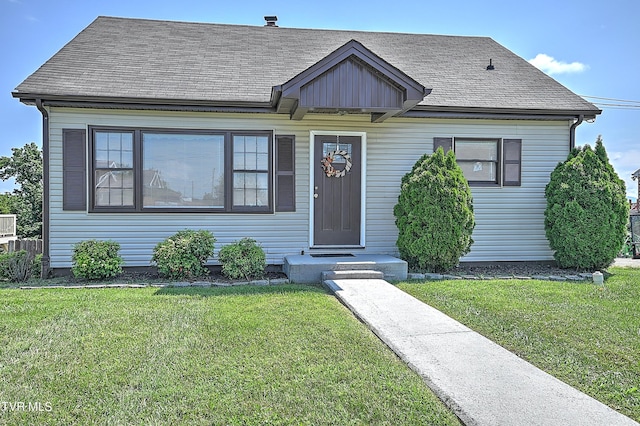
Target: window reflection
{"x":113,"y":163}
{"x":183,"y":170}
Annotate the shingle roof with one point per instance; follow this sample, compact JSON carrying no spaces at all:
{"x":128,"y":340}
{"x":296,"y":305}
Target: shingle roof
{"x":237,"y":64}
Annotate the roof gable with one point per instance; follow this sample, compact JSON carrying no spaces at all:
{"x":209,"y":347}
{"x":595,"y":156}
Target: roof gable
{"x":350,"y":79}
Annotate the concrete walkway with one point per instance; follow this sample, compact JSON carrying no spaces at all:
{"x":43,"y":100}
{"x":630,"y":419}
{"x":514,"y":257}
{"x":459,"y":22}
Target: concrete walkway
{"x":480,"y":381}
{"x":626,"y":262}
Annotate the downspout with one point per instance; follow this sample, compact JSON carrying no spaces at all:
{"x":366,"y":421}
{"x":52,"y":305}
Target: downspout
{"x":572,"y":132}
{"x":46,"y":263}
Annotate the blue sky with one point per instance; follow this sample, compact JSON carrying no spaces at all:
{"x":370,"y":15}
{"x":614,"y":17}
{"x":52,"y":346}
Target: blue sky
{"x":590,"y":46}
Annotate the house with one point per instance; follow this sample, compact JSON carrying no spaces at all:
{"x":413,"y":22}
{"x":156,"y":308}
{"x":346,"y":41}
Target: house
{"x":635,"y":207}
{"x":7,"y":231}
{"x":295,"y":137}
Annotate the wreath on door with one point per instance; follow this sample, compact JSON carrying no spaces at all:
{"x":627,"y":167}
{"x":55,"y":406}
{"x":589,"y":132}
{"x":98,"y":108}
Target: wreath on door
{"x":331,"y":171}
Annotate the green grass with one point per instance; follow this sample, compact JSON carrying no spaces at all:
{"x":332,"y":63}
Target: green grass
{"x":242,"y":355}
{"x":586,"y":335}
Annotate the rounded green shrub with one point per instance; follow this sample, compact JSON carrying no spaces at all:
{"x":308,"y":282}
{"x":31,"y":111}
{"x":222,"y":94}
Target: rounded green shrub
{"x":96,"y":260}
{"x":434,"y":213}
{"x":587,"y":210}
{"x":242,"y":259}
{"x":184,"y":254}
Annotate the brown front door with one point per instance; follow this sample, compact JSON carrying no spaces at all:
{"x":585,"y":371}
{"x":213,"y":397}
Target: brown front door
{"x":337,"y":168}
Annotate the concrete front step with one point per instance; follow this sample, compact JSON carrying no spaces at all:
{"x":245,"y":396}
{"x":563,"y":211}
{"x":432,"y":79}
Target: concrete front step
{"x":305,"y":269}
{"x":352,"y":275}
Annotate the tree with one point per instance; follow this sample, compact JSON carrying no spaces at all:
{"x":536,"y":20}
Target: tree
{"x":587,"y":210}
{"x":25,"y":165}
{"x":434,"y":214}
{"x":6,"y":203}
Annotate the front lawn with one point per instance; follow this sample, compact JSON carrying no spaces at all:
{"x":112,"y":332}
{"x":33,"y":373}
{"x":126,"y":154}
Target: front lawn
{"x":240,"y":355}
{"x":586,"y":335}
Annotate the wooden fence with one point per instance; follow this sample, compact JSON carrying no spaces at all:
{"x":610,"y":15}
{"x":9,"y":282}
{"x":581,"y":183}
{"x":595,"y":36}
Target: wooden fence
{"x":34,"y":247}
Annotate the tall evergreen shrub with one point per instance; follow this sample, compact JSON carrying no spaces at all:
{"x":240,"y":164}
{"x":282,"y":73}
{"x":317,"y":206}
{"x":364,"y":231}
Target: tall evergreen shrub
{"x":587,"y":210}
{"x":434,"y":214}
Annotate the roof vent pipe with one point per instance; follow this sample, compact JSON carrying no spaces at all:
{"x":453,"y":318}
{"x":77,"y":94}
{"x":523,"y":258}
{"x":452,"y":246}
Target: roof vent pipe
{"x":490,"y":66}
{"x":271,"y":21}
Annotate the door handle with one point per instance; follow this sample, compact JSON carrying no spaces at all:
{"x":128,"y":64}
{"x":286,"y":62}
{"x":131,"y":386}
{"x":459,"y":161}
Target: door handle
{"x":315,"y":195}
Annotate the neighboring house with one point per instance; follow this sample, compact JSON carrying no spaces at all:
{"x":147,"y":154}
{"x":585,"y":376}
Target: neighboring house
{"x":295,"y":137}
{"x":635,"y":207}
{"x":634,"y":218}
{"x":7,"y":231}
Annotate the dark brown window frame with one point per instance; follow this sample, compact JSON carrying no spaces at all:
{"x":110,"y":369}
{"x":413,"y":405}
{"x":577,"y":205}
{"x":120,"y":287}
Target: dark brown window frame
{"x":499,"y":161}
{"x":138,"y":170}
{"x":506,"y":147}
{"x":93,"y":170}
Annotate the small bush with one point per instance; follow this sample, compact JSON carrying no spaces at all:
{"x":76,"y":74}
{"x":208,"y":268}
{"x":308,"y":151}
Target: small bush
{"x":36,"y":271}
{"x":242,"y":259}
{"x":184,"y":254}
{"x":587,"y":211}
{"x":434,"y":214}
{"x":19,"y":266}
{"x":96,"y":260}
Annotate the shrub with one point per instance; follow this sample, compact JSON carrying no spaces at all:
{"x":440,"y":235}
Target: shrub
{"x":96,"y":260}
{"x":242,"y":259}
{"x":434,"y":214}
{"x":587,"y":210}
{"x":184,"y":254}
{"x":36,"y":271}
{"x":19,"y":266}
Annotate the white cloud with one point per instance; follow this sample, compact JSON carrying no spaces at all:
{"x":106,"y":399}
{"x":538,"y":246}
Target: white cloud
{"x":550,"y":65}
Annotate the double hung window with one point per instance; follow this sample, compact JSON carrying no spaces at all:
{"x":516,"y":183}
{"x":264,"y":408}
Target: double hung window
{"x":486,"y":161}
{"x":113,"y":169}
{"x":479,"y":159}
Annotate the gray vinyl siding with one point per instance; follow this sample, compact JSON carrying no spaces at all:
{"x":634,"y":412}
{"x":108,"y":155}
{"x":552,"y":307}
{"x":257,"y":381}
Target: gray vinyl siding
{"x":510,"y":220}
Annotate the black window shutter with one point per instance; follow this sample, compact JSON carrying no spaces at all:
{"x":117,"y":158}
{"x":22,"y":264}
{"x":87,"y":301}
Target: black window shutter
{"x":445,"y":143}
{"x":285,"y":174}
{"x":512,"y":162}
{"x":74,"y":173}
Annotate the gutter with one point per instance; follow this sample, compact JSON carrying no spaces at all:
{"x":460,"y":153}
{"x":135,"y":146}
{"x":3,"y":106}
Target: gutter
{"x":486,"y":115}
{"x":46,"y":261}
{"x":572,"y":132}
{"x":423,"y":111}
{"x":143,"y":103}
{"x":271,"y":107}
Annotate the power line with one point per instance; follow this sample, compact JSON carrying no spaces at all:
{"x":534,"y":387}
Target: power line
{"x":612,"y":99}
{"x":616,"y":106}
